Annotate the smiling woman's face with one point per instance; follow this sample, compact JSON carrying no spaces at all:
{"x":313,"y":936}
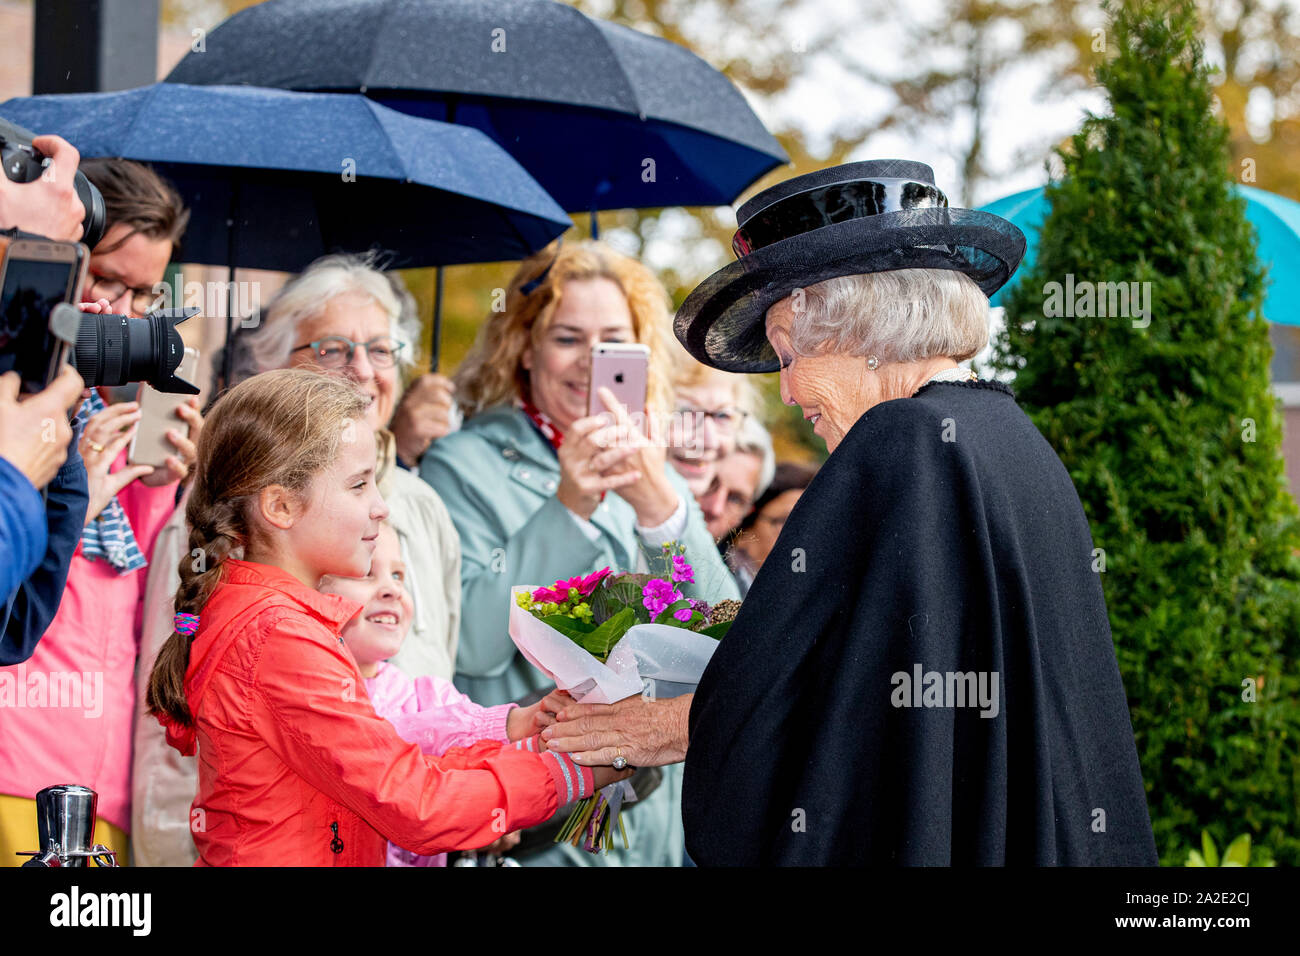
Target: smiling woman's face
{"x":359,"y":318}
{"x":833,"y":391}
{"x":559,"y":366}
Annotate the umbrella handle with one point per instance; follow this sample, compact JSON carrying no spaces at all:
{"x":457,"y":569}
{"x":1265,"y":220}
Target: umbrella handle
{"x":436,"y":345}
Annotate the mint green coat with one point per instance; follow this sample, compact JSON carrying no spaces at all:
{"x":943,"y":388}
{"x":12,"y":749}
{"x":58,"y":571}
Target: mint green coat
{"x":497,"y":476}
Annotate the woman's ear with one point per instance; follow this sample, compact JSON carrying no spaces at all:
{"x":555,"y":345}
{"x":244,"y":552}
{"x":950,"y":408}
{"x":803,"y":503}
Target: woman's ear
{"x":279,"y":507}
{"x":526,"y":360}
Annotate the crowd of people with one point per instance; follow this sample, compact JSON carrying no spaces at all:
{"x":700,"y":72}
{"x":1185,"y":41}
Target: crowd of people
{"x":498,"y":468}
{"x":292,"y":638}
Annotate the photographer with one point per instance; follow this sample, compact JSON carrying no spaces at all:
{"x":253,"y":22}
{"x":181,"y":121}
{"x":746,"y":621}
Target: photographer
{"x":96,"y":630}
{"x":33,"y":584}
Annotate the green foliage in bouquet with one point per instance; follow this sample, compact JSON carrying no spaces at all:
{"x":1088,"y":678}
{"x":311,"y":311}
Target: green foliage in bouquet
{"x":596,"y":611}
{"x":1169,"y":430}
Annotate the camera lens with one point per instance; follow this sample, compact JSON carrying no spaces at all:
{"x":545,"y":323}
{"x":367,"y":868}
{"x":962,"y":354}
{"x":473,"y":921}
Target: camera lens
{"x":116,"y":349}
{"x":96,"y":218}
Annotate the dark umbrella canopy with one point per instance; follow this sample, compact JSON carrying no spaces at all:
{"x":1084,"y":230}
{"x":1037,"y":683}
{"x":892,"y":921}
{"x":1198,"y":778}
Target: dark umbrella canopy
{"x":580,"y":103}
{"x":275,"y":179}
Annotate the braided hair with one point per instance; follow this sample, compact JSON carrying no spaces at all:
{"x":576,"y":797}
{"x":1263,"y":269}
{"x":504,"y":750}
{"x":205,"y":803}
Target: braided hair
{"x":278,"y":428}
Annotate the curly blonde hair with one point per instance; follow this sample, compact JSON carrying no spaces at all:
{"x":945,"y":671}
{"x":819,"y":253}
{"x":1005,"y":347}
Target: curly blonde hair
{"x":493,"y":372}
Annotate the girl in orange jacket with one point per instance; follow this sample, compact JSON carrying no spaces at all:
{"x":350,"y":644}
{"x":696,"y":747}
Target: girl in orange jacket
{"x":295,"y":766}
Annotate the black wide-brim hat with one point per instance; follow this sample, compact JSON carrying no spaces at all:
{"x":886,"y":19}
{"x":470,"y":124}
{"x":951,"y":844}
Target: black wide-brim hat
{"x":874,"y":216}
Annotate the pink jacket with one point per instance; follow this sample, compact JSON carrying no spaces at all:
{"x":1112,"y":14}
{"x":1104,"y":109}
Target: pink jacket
{"x":72,"y":721}
{"x":429,"y":711}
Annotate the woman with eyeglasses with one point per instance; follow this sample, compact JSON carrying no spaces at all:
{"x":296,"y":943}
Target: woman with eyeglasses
{"x":710,"y":408}
{"x":341,"y":316}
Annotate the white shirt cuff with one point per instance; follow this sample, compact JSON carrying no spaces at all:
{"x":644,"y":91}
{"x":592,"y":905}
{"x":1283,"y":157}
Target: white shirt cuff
{"x":589,"y":529}
{"x":670,"y":530}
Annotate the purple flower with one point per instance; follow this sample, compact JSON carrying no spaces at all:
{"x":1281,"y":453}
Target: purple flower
{"x":703,"y":607}
{"x":684,"y":614}
{"x":657,"y":595}
{"x":682,"y":572}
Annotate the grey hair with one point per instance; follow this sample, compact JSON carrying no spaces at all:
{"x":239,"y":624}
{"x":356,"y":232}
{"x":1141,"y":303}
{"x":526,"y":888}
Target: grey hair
{"x":754,"y":439}
{"x":905,"y":315}
{"x":327,"y":278}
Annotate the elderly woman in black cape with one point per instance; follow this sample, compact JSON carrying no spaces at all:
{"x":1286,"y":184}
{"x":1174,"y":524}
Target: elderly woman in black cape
{"x":922,"y":672}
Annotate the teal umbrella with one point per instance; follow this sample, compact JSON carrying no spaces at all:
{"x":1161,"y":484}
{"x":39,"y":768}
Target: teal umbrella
{"x":1276,"y":220}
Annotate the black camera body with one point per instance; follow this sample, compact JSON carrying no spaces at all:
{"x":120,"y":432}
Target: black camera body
{"x":24,"y":163}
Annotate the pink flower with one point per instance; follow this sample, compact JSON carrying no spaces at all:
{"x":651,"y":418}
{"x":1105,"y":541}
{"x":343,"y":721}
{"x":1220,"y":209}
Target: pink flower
{"x":682,"y":572}
{"x":560,"y":593}
{"x":684,"y":614}
{"x":657,"y":595}
{"x":588,"y":584}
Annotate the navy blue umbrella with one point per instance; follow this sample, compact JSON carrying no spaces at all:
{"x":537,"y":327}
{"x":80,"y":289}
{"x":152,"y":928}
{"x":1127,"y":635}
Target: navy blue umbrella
{"x":275,"y":179}
{"x":602,"y":116}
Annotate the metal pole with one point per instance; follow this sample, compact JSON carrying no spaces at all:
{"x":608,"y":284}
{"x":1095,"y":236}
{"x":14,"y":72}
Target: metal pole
{"x":228,"y":350}
{"x":93,"y":46}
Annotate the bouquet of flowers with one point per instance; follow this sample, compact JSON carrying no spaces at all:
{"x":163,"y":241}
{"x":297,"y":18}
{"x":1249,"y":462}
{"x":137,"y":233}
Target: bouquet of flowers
{"x":607,"y":636}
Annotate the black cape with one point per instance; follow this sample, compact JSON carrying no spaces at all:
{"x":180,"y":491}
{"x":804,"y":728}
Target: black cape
{"x":942,"y":537}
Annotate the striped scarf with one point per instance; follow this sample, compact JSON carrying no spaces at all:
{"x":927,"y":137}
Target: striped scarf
{"x":109,"y":537}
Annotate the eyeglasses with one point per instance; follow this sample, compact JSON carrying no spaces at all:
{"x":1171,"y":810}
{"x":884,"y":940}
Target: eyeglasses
{"x":724,"y":419}
{"x":336,"y":351}
{"x":142,"y":299}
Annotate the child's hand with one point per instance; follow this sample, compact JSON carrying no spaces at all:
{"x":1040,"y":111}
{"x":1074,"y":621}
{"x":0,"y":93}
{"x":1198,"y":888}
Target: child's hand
{"x":526,"y":721}
{"x":604,"y":776}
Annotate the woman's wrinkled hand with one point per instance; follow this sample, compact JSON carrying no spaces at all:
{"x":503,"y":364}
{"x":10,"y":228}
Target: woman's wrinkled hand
{"x":649,"y":733}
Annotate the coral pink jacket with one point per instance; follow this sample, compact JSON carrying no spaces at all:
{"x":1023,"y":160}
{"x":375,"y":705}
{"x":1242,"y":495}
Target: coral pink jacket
{"x":295,"y":766}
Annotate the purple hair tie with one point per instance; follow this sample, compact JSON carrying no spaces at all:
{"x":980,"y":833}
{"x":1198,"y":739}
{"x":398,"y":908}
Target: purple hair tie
{"x":187,"y":624}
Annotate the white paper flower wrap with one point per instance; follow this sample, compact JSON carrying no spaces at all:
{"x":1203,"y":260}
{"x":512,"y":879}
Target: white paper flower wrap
{"x":656,"y":659}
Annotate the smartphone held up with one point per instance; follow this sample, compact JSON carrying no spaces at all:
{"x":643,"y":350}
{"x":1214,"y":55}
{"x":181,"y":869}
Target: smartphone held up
{"x":624,"y":369}
{"x":150,"y":444}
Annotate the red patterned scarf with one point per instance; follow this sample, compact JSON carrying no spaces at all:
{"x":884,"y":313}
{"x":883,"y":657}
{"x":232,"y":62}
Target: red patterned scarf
{"x":548,"y":428}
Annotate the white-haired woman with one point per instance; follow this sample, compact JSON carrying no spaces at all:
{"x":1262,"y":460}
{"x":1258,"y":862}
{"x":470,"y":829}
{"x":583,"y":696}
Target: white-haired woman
{"x":922,"y":672}
{"x":344,"y":317}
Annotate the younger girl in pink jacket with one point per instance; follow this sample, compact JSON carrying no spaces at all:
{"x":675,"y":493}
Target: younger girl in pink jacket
{"x":427,"y":711}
